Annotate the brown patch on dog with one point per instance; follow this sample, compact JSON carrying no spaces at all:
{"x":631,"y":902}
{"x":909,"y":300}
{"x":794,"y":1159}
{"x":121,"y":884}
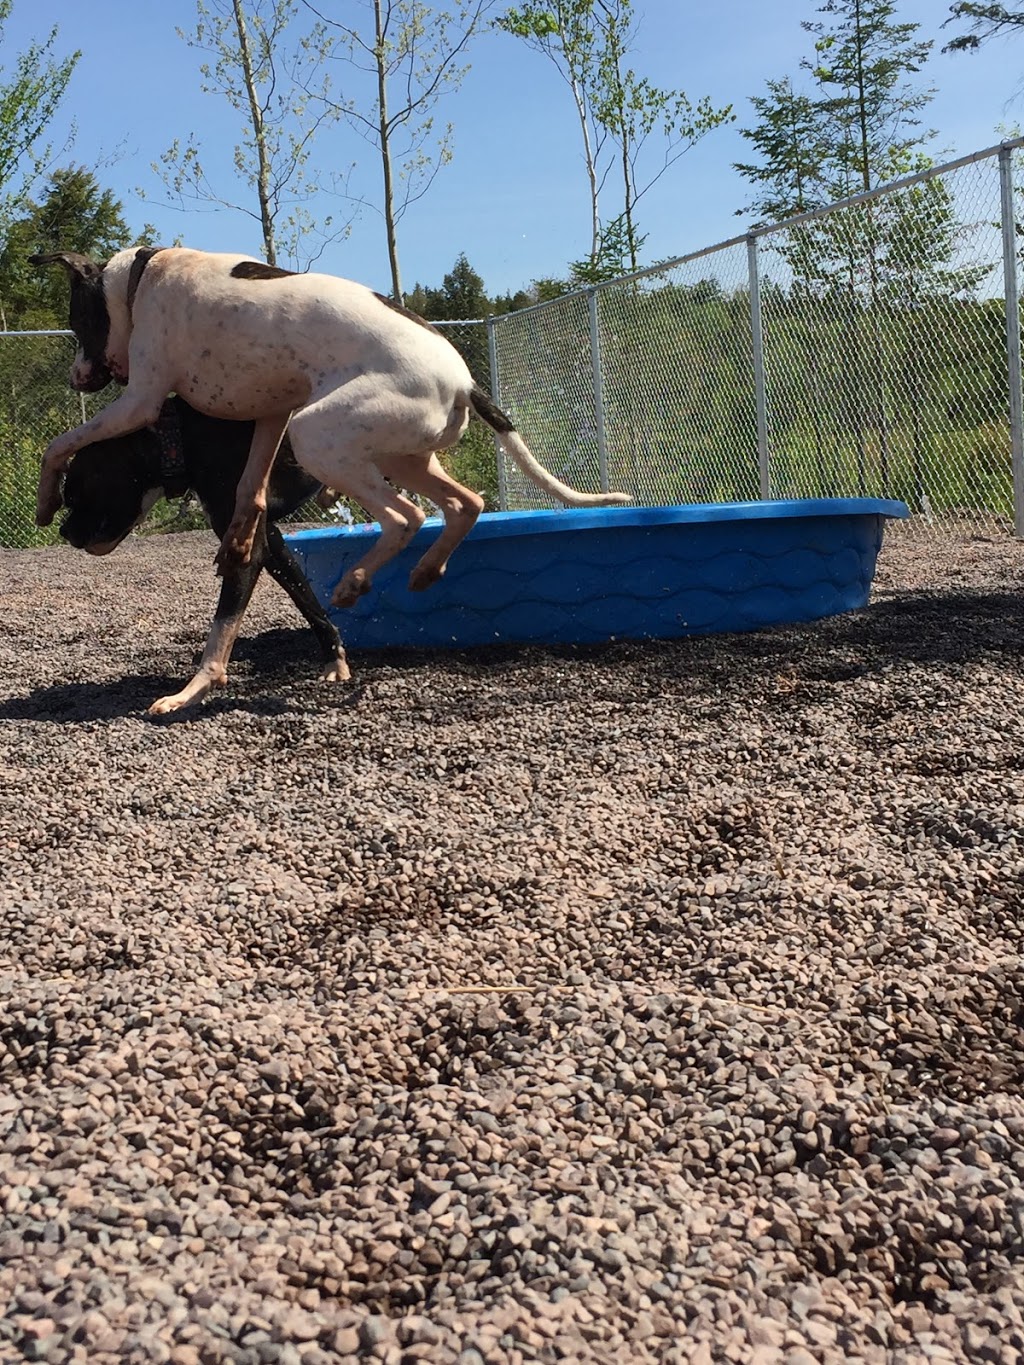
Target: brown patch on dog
{"x":488,"y":411}
{"x":258,"y":270}
{"x":405,"y":312}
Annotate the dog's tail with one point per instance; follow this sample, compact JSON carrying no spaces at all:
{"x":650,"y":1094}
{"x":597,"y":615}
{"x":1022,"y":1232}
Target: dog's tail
{"x":488,"y":411}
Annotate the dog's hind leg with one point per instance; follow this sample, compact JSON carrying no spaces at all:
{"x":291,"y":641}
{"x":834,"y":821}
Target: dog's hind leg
{"x":319,"y":450}
{"x":251,"y":494}
{"x":399,"y":520}
{"x":459,"y":507}
{"x":283,"y":569}
{"x":235,"y":595}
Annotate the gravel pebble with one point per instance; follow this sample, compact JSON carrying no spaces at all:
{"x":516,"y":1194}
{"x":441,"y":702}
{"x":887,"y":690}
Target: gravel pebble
{"x":656,"y":1002}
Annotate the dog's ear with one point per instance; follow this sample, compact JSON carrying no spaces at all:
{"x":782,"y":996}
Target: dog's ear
{"x":73,"y":262}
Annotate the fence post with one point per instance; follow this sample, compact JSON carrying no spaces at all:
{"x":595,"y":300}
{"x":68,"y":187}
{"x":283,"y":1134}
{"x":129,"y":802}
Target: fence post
{"x":764,"y":477}
{"x":492,"y":356}
{"x":595,"y":365}
{"x":1011,"y":292}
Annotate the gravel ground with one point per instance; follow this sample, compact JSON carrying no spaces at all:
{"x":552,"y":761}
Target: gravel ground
{"x":644,"y":1003}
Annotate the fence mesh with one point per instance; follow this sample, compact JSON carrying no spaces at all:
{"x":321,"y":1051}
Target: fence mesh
{"x":883,"y":349}
{"x":860,"y":351}
{"x":35,"y":405}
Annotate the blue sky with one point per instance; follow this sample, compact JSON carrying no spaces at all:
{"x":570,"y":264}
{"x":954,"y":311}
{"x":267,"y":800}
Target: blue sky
{"x":514,"y":198}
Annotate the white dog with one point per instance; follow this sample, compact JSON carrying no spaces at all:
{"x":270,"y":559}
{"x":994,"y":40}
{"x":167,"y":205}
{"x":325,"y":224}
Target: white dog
{"x":370,"y":390}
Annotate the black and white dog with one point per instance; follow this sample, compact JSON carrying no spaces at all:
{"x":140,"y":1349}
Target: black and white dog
{"x":111,"y":485}
{"x":368,"y":391}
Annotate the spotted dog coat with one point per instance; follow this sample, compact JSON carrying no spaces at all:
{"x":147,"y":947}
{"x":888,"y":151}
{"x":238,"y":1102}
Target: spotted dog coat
{"x":368,"y":391}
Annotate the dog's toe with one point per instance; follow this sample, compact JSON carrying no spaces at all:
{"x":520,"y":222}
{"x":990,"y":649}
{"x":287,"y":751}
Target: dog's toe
{"x":163,"y":706}
{"x":354,"y":585}
{"x":336,"y":671}
{"x":232,"y":555}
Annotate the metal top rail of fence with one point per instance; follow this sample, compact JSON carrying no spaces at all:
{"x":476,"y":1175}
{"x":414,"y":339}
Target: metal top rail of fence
{"x":869,"y":347}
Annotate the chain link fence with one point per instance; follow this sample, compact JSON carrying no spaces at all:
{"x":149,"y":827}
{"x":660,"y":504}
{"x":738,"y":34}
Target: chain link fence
{"x":35,"y":405}
{"x":872,"y":348}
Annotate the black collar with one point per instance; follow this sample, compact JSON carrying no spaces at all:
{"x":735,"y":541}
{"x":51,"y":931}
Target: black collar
{"x":167,"y":429}
{"x":142,"y":258}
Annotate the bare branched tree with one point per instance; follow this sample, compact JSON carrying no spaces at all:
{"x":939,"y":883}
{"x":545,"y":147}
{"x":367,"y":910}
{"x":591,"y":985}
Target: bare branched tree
{"x":269,"y":75}
{"x":406,"y":55}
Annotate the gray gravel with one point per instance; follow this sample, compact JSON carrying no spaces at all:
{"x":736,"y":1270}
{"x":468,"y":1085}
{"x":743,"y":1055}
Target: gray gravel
{"x":644,"y":1003}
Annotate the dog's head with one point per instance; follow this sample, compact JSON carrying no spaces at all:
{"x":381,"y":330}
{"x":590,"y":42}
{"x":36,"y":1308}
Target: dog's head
{"x":88,"y":317}
{"x":100,"y":314}
{"x":109,"y":489}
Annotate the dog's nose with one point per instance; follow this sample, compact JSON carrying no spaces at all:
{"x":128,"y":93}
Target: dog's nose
{"x":90,"y":379}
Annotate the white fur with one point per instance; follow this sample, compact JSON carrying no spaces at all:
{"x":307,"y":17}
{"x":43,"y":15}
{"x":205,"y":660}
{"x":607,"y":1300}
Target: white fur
{"x":369,"y":391}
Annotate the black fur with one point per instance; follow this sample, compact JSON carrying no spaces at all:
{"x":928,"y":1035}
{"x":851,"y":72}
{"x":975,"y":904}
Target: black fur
{"x":488,"y":411}
{"x":106,"y":483}
{"x":89,"y":319}
{"x":142,"y":258}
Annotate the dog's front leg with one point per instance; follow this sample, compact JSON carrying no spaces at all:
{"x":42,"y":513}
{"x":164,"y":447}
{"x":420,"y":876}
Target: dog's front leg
{"x":134,"y":409}
{"x":235,"y":595}
{"x":251,"y":494}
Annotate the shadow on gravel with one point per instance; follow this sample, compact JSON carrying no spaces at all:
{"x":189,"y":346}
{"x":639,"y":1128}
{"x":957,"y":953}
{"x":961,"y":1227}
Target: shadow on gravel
{"x":72,"y":703}
{"x":263,"y":669}
{"x":926,"y":628}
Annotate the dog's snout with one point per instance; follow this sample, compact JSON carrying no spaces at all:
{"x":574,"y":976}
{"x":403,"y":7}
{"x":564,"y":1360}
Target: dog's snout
{"x":89,"y":380}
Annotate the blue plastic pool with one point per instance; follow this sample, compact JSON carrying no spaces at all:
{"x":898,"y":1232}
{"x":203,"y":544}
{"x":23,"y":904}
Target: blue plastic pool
{"x":589,"y":575}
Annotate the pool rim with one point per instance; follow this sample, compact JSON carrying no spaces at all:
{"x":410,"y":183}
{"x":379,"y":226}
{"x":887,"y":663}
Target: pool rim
{"x":545,"y":522}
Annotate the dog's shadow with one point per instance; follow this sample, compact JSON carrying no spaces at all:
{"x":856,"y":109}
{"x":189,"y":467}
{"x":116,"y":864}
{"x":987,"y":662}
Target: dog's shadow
{"x":268,"y":676}
{"x":274,"y":673}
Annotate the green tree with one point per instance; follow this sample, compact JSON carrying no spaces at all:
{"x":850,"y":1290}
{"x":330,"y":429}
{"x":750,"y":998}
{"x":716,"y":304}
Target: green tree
{"x":619,"y":112}
{"x":31,"y":91}
{"x":858,"y":128}
{"x":266,"y":74}
{"x":74,"y":214}
{"x":794,"y":150}
{"x":408,"y":59}
{"x":861,"y":65}
{"x":986,"y":20}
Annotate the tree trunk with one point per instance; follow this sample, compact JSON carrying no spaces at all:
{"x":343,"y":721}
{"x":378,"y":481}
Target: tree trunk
{"x":588,"y":152}
{"x":259,"y":137}
{"x":385,"y":154}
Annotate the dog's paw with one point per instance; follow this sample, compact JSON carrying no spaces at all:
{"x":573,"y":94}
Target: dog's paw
{"x":192,"y":693}
{"x":236,"y":547}
{"x":232,"y":555}
{"x":425,"y":576}
{"x":164,"y":706}
{"x":337,"y":670}
{"x":48,"y":496}
{"x":355,"y":584}
{"x":47,"y":507}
